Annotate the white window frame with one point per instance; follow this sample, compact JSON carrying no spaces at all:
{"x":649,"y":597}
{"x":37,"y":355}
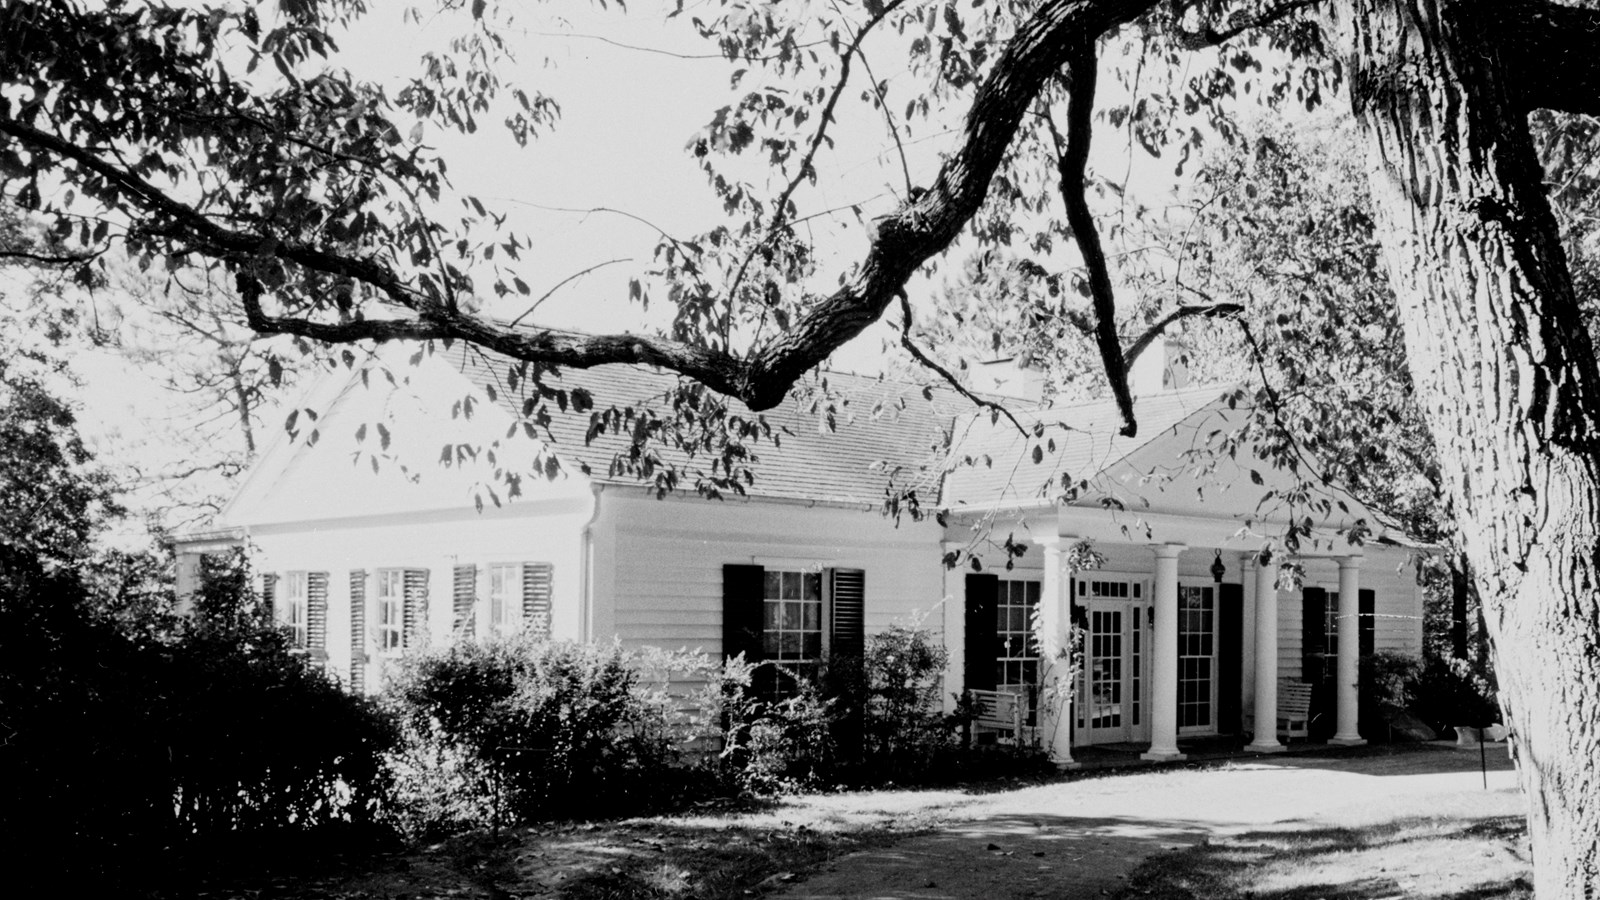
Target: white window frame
{"x":503,"y":608}
{"x":791,"y":597}
{"x":294,"y":607}
{"x":389,"y":611}
{"x":1013,"y":594}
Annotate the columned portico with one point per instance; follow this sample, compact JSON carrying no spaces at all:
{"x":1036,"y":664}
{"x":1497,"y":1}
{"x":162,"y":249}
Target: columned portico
{"x":1055,"y":619}
{"x":1265,"y":739}
{"x":1164,"y":657}
{"x":1347,"y":668}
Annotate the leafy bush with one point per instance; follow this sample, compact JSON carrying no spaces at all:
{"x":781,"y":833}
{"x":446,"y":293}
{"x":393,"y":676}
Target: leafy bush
{"x":905,"y":724}
{"x":124,"y":739}
{"x":1450,"y":692}
{"x":529,"y":730}
{"x":1441,"y":692}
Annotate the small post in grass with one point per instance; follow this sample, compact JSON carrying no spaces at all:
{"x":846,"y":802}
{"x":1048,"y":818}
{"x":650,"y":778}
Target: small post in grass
{"x":1483,"y":756}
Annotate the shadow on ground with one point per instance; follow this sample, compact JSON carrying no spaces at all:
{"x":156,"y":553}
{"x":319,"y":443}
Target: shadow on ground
{"x":1482,"y":860}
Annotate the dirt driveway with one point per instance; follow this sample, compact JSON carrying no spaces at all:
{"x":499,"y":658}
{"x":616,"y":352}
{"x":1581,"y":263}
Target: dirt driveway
{"x":1080,"y":839}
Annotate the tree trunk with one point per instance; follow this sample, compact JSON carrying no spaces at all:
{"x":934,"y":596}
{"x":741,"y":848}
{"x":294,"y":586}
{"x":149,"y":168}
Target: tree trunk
{"x":1460,"y":591}
{"x":1507,"y":377}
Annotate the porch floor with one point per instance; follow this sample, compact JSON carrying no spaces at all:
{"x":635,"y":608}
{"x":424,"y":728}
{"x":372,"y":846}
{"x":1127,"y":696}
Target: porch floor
{"x":1198,"y":749}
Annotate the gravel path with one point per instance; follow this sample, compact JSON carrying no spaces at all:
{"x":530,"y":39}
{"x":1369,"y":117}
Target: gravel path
{"x":1080,"y":839}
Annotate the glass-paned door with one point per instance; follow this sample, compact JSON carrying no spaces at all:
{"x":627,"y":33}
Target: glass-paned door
{"x":1197,"y":659}
{"x":1110,"y":702}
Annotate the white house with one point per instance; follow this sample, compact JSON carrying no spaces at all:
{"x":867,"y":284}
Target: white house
{"x":372,"y":546}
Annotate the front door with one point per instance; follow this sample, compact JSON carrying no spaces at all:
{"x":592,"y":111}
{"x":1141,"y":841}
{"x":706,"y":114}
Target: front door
{"x":1111,"y":703}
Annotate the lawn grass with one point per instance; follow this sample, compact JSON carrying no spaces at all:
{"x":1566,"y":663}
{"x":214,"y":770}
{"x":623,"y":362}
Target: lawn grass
{"x":720,"y":852}
{"x":1483,"y":859}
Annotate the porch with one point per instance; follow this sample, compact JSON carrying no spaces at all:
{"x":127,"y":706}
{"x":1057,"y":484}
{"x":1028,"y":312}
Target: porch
{"x":1182,"y":645}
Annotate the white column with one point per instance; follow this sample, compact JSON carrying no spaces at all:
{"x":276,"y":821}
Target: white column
{"x":1164,"y":658}
{"x":955,"y":629}
{"x":1055,"y":620}
{"x":1265,"y":740}
{"x":1347,"y":672}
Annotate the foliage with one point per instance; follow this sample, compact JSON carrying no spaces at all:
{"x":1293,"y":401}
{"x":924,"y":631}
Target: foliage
{"x":546,"y":729}
{"x":51,"y":496}
{"x":905,"y":726}
{"x":1441,"y":691}
{"x":123,"y":742}
{"x":1449,"y":692}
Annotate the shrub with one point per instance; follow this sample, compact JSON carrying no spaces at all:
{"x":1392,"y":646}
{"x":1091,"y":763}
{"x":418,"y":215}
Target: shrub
{"x":545,"y":729}
{"x":126,"y":738}
{"x":905,"y":725}
{"x":1450,"y":692}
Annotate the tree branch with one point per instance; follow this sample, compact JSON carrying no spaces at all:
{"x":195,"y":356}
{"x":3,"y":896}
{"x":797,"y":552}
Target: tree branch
{"x":1238,"y":24}
{"x":1072,"y":165}
{"x":780,"y":209}
{"x":48,"y":259}
{"x":922,"y":227}
{"x":713,"y":368}
{"x":1208,"y":310}
{"x":921,"y":357}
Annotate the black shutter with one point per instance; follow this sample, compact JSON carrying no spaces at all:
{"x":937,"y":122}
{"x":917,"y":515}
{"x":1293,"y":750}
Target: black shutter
{"x":358,"y":631}
{"x":1313,"y":634}
{"x":1230,"y":653}
{"x":848,"y":594}
{"x":269,"y":595}
{"x":464,"y":601}
{"x":742,"y":587}
{"x":317,"y":616}
{"x":536,"y":581}
{"x":414,"y":616}
{"x":1368,"y":608}
{"x":983,"y":593}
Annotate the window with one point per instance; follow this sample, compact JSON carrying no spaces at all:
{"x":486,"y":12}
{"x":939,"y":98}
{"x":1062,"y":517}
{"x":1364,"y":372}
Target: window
{"x":390,"y":602}
{"x":1017,"y":653}
{"x":505,"y":598}
{"x":1196,"y":656}
{"x":1330,"y":612}
{"x":791,"y":616}
{"x":292,"y":607}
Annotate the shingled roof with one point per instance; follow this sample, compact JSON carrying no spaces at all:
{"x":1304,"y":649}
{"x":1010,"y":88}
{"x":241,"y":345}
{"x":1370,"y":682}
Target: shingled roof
{"x":882,"y":426}
{"x":993,"y":462}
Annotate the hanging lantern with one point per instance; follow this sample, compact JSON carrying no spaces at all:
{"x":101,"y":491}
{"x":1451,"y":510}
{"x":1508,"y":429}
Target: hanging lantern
{"x":1217,"y":568}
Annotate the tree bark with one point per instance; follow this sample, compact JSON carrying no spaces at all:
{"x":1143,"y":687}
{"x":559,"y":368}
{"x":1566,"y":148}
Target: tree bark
{"x":1460,"y":592}
{"x":1507,"y":376}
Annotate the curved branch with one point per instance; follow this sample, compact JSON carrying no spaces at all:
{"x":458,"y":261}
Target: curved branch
{"x":922,"y":228}
{"x":1072,"y":165}
{"x":713,"y":368}
{"x":1238,"y":24}
{"x":919,"y":229}
{"x":1208,"y":310}
{"x":928,"y":361}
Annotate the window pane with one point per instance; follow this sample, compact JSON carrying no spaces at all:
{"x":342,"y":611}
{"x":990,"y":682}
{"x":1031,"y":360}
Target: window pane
{"x":813,"y":617}
{"x":814,"y":586}
{"x":791,"y":585}
{"x":770,"y":614}
{"x":772,"y":585}
{"x":769,"y":643}
{"x":791,"y":644}
{"x":813,"y":645}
